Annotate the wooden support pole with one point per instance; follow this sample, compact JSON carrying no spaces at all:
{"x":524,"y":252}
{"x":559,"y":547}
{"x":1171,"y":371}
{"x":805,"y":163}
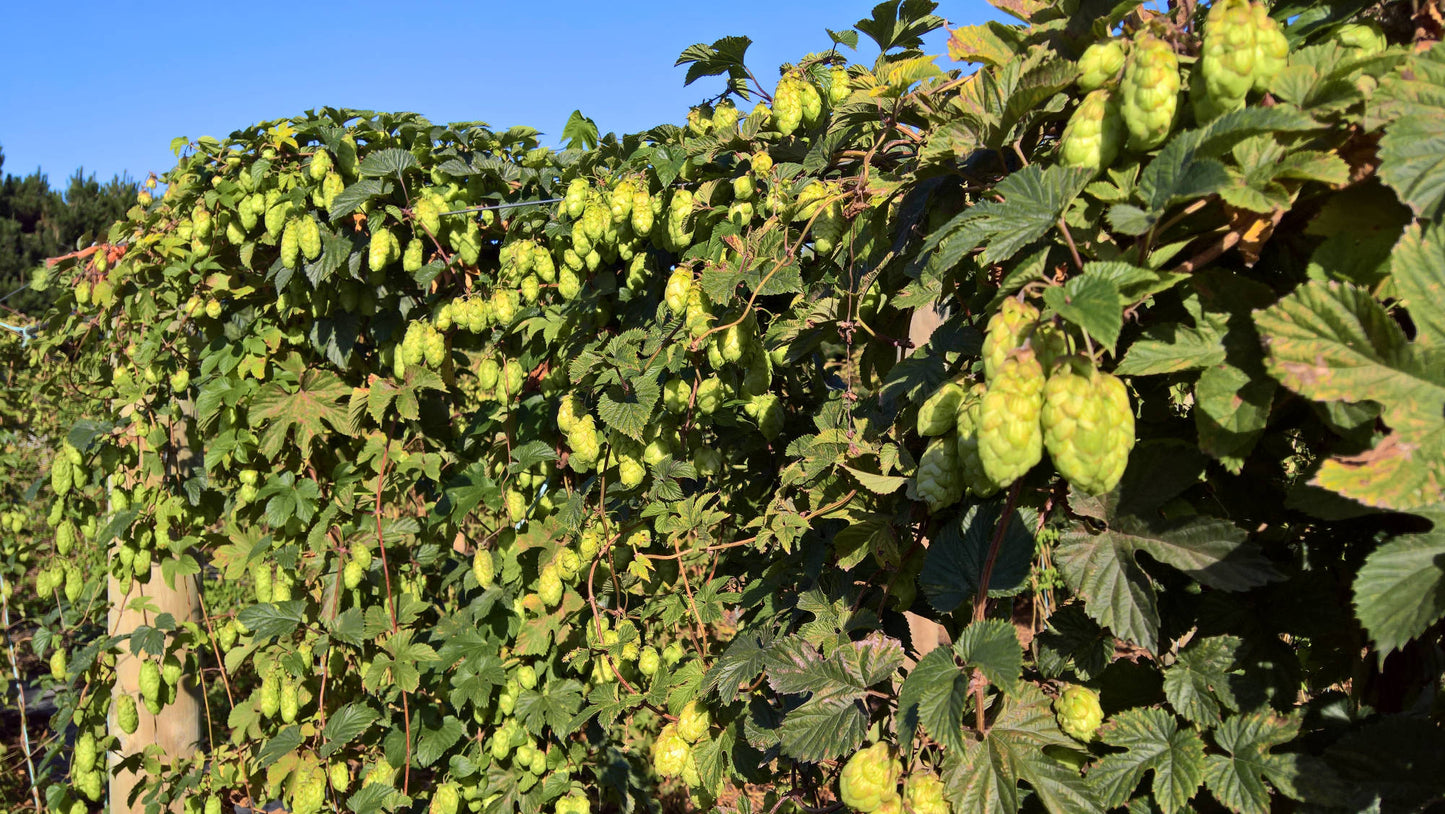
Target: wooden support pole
{"x":177,"y":729}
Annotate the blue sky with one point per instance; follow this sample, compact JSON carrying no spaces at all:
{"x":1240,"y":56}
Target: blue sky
{"x":107,"y":85}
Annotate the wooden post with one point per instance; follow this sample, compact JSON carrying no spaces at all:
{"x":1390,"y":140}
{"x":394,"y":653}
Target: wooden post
{"x":177,"y":729}
{"x":926,"y":634}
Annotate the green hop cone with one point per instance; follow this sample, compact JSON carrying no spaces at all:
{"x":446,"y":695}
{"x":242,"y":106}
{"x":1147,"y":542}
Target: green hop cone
{"x":670,"y":752}
{"x":788,"y":105}
{"x":549,"y":586}
{"x":1100,"y":64}
{"x":923,"y":794}
{"x":937,"y":481}
{"x":693,"y":722}
{"x":648,"y":661}
{"x":445,"y":799}
{"x":1088,"y":426}
{"x":1150,"y":91}
{"x":676,"y":294}
{"x":1271,"y":49}
{"x":870,"y":778}
{"x":308,"y":234}
{"x":1078,"y":712}
{"x":57,"y":665}
{"x":1227,"y":63}
{"x":309,"y":793}
{"x":1094,"y":133}
{"x":411,"y":259}
{"x":1007,"y":329}
{"x":1010,"y":440}
{"x":939,"y":412}
{"x":970,"y":466}
{"x":127,"y":717}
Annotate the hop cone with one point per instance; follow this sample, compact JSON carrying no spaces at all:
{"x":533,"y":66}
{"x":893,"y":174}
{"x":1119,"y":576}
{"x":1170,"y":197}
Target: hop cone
{"x":1006,"y":331}
{"x":1271,"y":49}
{"x":923,"y":792}
{"x":1010,"y":441}
{"x":938,"y":413}
{"x":1150,"y":91}
{"x":1094,"y":134}
{"x":1100,"y":64}
{"x":1228,"y":62}
{"x":1079,"y":713}
{"x":670,"y":752}
{"x":970,"y":466}
{"x":938,"y":479}
{"x":1088,"y":426}
{"x":869,"y":778}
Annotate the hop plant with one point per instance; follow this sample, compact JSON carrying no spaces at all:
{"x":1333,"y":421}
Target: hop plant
{"x":1150,"y":91}
{"x":1088,"y":426}
{"x":127,"y":717}
{"x":670,"y":752}
{"x":970,"y":466}
{"x":938,"y":481}
{"x":1007,"y":329}
{"x":693,"y":722}
{"x":1270,"y":47}
{"x":869,"y":778}
{"x":1227,"y":63}
{"x":1100,"y":64}
{"x":1094,"y":133}
{"x":1078,"y":712}
{"x":788,"y":104}
{"x":923,"y":794}
{"x":939,"y":411}
{"x":1010,"y":440}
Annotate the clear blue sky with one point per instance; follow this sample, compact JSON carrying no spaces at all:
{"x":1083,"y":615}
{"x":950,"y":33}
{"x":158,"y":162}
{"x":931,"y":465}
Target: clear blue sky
{"x":106,"y":85}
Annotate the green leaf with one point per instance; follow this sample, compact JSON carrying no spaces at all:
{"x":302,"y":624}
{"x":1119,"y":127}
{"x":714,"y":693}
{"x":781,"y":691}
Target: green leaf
{"x":900,"y":23}
{"x":628,"y":413}
{"x":955,"y":560}
{"x":1101,"y":568}
{"x":350,"y":199}
{"x":1334,"y":342}
{"x":1171,"y":347}
{"x":579,"y":133}
{"x":1199,"y":683}
{"x":1034,"y":200}
{"x":345,"y":725}
{"x":1237,"y":779}
{"x":284,"y":743}
{"x":1418,"y":271}
{"x":824,"y":729}
{"x":725,"y":56}
{"x":433,"y":741}
{"x":984,"y":777}
{"x":1091,"y":302}
{"x":272,"y":620}
{"x":317,"y":403}
{"x":1153,"y":743}
{"x":739,"y":666}
{"x":1400,"y":590}
{"x":391,"y":161}
{"x":992,"y":647}
{"x":1231,"y":409}
{"x":1412,"y":151}
{"x":877,"y":484}
{"x":934,"y":695}
{"x":552,"y":703}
